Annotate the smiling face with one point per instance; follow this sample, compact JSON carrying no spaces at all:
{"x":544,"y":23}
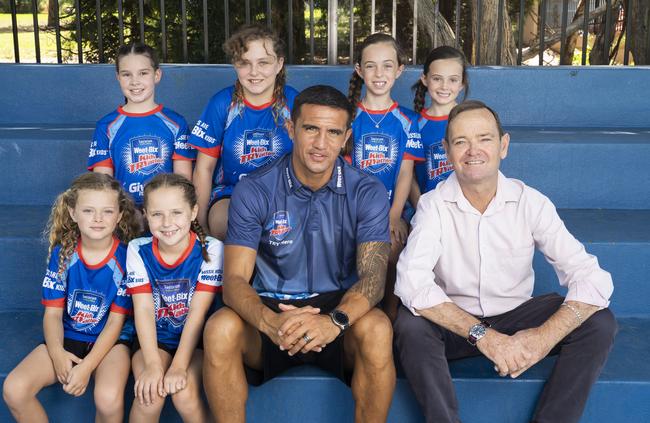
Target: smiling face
{"x":379,"y":68}
{"x":318,"y":135}
{"x":475,"y":148}
{"x":256,"y":71}
{"x":138,"y":80}
{"x":170,"y":217}
{"x":444,"y":81}
{"x":96,"y":213}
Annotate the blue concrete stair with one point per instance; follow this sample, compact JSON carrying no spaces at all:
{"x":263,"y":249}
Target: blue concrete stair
{"x":586,"y":149}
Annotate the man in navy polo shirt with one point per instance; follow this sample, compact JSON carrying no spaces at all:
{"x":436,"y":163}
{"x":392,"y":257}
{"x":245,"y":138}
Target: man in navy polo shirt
{"x":315,"y":230}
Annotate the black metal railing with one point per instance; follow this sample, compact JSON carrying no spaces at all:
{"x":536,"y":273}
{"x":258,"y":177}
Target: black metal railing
{"x":326,"y":31}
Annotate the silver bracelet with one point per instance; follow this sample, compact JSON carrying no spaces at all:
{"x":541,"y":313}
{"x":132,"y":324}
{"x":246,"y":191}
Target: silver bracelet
{"x":576,"y":312}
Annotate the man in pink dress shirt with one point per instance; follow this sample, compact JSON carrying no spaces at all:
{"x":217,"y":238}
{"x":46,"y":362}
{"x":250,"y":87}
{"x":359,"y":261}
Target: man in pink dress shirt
{"x":466,"y":281}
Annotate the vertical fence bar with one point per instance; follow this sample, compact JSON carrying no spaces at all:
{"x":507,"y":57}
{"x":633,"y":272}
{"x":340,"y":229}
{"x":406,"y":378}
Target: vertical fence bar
{"x":141,"y":19}
{"x":247,"y":8}
{"x":372,"y":17}
{"x":78,"y":17}
{"x":457,"y":29}
{"x":415,"y":32}
{"x":37,"y":41}
{"x":57,"y":31}
{"x":520,"y":31}
{"x":226,"y":20}
{"x":479,"y":16}
{"x":436,"y":9}
{"x":394,"y":20}
{"x":565,"y":17}
{"x":542,"y":31}
{"x":269,"y":24}
{"x":608,"y":24}
{"x":351,"y":31}
{"x":290,"y":29}
{"x":184,"y":29}
{"x":100,"y":37}
{"x":585,"y":33}
{"x":311,"y":31}
{"x":499,"y":31}
{"x":206,"y":49}
{"x":14,"y":30}
{"x":163,"y":30}
{"x":332,"y":32}
{"x":120,"y":21}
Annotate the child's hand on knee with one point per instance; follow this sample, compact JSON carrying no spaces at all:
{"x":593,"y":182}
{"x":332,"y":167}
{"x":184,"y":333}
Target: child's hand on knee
{"x":78,"y":378}
{"x":175,"y":380}
{"x":149,"y":385}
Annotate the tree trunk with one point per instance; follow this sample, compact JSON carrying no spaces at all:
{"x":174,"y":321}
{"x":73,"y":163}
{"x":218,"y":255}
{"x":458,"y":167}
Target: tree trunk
{"x":486,"y":53}
{"x":433,"y":24}
{"x":600,"y":52}
{"x":51,"y":13}
{"x":638,"y":21}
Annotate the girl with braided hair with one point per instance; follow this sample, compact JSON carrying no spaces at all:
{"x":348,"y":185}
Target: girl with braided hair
{"x":173,"y":277}
{"x":243,"y":127}
{"x":444,"y":76}
{"x":385,"y":138}
{"x":84,"y":294}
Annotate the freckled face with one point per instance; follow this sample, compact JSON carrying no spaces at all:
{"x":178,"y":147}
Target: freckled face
{"x":169,"y":216}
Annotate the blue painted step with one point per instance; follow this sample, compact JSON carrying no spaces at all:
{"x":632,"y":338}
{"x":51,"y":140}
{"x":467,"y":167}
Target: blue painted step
{"x":308,"y":394}
{"x":576,"y":168}
{"x":619,"y":238}
{"x":550,"y":96}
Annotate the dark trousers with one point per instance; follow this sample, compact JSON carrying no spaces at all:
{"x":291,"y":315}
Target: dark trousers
{"x":424,"y":348}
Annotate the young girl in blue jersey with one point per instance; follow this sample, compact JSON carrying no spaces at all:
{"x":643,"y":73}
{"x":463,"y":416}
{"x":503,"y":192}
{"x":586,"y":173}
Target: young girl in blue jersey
{"x":84,"y":294}
{"x":141,"y":138}
{"x":243,"y":127}
{"x":386,"y":140}
{"x":173,"y":277}
{"x":444,"y":77}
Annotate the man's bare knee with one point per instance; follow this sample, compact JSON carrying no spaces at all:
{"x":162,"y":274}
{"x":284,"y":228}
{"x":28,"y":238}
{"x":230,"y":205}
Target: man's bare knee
{"x":373,"y":337}
{"x":224,"y":333}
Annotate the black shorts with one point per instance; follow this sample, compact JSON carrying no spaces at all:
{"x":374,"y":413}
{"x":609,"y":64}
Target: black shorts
{"x":275,"y":361}
{"x":82,"y":348}
{"x":171,"y":350}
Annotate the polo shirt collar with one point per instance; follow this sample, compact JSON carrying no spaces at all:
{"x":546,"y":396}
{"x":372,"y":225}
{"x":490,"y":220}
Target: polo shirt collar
{"x":507,"y":191}
{"x":335,"y":184}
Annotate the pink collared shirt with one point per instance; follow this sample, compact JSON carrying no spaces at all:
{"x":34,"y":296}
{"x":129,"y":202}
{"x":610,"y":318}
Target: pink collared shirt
{"x":483,"y":262}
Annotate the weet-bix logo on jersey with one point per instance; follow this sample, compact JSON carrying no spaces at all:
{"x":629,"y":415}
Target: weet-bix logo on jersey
{"x":145,"y":154}
{"x":437,"y":162}
{"x":280,"y":225}
{"x":376,"y":153}
{"x":86,"y":308}
{"x":172,"y":300}
{"x":257,"y":147}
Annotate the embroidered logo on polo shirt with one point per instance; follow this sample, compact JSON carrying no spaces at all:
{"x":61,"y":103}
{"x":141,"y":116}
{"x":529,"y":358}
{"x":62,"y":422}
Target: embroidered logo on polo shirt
{"x":280,"y":225}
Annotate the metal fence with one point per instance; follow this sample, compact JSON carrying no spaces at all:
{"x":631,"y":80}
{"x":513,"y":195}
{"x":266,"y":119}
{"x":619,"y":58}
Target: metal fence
{"x":316,"y":31}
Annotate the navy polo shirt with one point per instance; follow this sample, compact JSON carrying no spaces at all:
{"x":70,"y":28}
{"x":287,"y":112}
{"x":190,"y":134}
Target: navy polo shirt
{"x":306,"y":240}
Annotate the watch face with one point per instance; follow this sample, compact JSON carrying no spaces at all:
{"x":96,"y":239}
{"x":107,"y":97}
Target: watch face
{"x":340,"y":318}
{"x":477,"y":331}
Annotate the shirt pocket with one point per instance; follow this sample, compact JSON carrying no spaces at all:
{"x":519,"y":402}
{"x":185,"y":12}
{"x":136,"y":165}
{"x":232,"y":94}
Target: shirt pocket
{"x":516,"y":263}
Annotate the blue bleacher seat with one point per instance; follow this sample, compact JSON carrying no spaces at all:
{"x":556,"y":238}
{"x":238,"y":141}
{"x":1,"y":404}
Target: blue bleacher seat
{"x":579,"y":135}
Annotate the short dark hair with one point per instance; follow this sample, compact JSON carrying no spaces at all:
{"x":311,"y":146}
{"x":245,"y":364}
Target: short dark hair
{"x":322,"y":95}
{"x":468,"y":105}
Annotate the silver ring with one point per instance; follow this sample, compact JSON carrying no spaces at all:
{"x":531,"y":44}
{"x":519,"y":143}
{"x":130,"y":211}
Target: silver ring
{"x":306,"y":338}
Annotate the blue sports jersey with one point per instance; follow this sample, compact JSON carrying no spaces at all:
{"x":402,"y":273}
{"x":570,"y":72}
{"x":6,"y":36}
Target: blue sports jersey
{"x":138,"y":146}
{"x":242,"y":137}
{"x":436,"y":168}
{"x":306,"y":241}
{"x":173,"y":285}
{"x":87,"y":292}
{"x":382,"y":139}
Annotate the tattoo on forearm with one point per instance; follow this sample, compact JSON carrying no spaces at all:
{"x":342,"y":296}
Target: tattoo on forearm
{"x":372,"y":260}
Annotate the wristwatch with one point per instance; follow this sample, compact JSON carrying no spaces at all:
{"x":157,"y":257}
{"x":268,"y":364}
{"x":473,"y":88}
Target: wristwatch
{"x":477,"y":332}
{"x":341,"y":320}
